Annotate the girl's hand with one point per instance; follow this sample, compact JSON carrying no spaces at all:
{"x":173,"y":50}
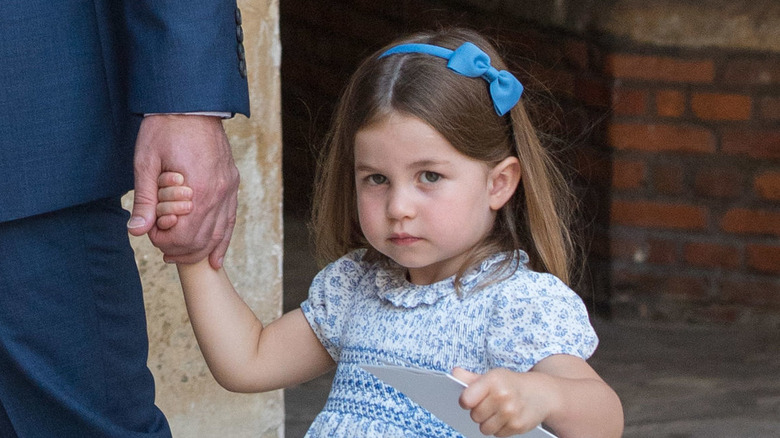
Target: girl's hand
{"x":174,"y":199}
{"x":504,"y":402}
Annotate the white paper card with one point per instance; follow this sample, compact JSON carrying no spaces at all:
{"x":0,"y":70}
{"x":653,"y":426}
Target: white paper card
{"x":438,"y":392}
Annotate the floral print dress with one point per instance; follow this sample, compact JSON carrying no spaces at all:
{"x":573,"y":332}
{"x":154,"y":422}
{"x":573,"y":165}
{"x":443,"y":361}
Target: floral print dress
{"x":368,"y":313}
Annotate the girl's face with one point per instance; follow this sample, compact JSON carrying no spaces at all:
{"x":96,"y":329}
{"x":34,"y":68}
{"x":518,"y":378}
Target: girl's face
{"x":420,"y":201}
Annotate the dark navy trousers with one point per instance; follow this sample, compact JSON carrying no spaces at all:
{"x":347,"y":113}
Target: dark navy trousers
{"x":73,"y":340}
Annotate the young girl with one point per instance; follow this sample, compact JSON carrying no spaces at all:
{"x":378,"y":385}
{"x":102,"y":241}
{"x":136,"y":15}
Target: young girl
{"x":444,"y":226}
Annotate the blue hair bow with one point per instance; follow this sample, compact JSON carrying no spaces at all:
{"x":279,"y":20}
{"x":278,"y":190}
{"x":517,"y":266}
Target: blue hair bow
{"x":469,"y":60}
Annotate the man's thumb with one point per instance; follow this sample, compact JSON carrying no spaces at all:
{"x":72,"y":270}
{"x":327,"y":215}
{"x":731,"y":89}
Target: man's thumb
{"x":144,"y":208}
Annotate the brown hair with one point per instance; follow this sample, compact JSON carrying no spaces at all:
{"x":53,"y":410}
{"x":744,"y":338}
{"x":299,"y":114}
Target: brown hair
{"x":535,"y":219}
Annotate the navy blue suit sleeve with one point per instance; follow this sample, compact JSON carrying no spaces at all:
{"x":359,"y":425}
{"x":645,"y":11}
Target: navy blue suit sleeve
{"x":184,"y":56}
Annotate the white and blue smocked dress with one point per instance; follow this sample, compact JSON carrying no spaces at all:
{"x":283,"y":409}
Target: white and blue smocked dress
{"x":368,"y":313}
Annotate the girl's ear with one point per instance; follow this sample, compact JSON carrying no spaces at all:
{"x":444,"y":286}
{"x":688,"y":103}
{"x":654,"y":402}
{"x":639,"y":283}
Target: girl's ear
{"x":502,"y":182}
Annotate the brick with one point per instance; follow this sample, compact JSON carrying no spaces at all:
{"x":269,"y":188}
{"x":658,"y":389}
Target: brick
{"x":719,"y":183}
{"x":594,"y":166}
{"x":770,"y":108}
{"x":661,"y":252}
{"x":711,"y":255}
{"x":598,"y":246}
{"x":752,"y":292}
{"x":546,"y":49}
{"x":767,"y":185}
{"x":762,"y":144}
{"x":753,"y":71}
{"x":663,"y":285}
{"x":718,"y":106}
{"x":661,"y":137}
{"x":670,"y":103}
{"x":716,"y":313}
{"x":382,"y":9}
{"x":650,"y":214}
{"x":559,"y":82}
{"x":693,"y":288}
{"x":747,"y":221}
{"x":669,"y":179}
{"x":515,"y":41}
{"x":763,"y":258}
{"x":324,"y":82}
{"x":576,"y":53}
{"x":346,"y":20}
{"x":658,"y":68}
{"x":653,"y":251}
{"x":627,"y":248}
{"x":628,"y":174}
{"x":592,"y":92}
{"x":629,"y":102}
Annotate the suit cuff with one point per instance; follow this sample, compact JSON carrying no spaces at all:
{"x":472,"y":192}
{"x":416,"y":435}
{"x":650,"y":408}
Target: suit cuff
{"x":220,"y":114}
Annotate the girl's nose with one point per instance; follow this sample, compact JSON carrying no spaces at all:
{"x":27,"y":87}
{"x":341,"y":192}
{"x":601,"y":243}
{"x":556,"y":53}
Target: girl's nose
{"x":400,"y":204}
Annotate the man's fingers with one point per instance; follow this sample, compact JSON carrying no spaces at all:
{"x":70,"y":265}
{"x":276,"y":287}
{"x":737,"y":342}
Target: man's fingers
{"x":218,"y":255}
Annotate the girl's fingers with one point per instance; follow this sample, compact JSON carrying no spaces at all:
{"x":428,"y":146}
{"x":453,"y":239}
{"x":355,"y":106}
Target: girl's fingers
{"x":464,"y":376}
{"x":492,"y":425}
{"x":474,"y":394}
{"x":518,"y":424}
{"x":167,"y":221}
{"x":170,"y":179}
{"x":174,"y":200}
{"x":178,"y":208}
{"x":485,"y":409}
{"x":174,"y":193}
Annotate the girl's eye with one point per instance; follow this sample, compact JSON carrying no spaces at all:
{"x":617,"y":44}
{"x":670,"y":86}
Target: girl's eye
{"x":377,"y":179}
{"x":430,"y":177}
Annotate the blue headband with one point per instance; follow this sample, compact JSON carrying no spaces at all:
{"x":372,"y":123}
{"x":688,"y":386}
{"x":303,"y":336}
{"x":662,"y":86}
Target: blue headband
{"x":469,"y":60}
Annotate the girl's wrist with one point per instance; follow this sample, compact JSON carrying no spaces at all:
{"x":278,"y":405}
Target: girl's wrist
{"x":552,"y":397}
{"x":200,"y":268}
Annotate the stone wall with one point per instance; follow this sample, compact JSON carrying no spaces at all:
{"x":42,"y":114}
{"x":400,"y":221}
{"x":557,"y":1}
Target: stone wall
{"x":666,"y":110}
{"x":193,"y":402}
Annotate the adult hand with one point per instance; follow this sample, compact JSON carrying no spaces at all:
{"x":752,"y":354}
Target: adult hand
{"x":197,"y":147}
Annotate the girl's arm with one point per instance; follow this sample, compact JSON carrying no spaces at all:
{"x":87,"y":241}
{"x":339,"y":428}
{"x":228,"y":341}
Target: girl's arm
{"x":243,"y":355}
{"x":561,"y":391}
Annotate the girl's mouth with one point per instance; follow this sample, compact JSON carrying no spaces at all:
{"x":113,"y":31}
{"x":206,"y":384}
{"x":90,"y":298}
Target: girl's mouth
{"x":403,"y":239}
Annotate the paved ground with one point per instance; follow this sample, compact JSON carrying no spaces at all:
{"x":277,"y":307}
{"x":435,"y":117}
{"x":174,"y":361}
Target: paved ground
{"x":675,"y":381}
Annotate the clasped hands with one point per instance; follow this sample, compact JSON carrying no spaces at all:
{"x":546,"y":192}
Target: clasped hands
{"x":197,"y":148}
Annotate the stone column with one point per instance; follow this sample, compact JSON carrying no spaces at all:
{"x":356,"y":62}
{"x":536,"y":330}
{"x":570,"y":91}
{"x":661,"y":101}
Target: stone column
{"x":193,"y":402}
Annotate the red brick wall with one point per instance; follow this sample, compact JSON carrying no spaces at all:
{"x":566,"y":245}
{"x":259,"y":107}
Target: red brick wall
{"x":695,"y":217}
{"x":676,"y":152}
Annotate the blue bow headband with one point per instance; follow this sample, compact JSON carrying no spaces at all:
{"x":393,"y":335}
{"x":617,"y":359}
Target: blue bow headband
{"x":469,"y":60}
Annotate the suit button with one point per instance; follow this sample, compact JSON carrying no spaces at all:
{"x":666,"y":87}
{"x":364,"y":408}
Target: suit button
{"x":242,"y":68}
{"x":240,"y":51}
{"x":238,"y":16}
{"x":239,"y":34}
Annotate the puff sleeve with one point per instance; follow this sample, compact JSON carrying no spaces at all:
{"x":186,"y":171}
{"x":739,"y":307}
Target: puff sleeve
{"x":534,"y":317}
{"x":330,"y":299}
